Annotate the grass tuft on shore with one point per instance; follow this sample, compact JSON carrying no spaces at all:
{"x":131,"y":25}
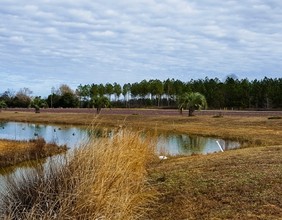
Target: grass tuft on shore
{"x":15,"y":152}
{"x":106,"y":179}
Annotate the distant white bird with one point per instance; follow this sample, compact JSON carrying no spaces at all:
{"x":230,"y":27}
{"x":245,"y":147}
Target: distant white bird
{"x":219,"y":146}
{"x":162,"y":157}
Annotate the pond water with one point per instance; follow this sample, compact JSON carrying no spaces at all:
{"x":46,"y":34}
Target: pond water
{"x":61,"y":135}
{"x":170,"y":144}
{"x":167,"y":144}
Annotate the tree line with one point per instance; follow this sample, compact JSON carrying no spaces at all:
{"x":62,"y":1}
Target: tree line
{"x":231,"y":94}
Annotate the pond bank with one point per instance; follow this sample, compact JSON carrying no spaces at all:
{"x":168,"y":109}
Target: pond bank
{"x":256,"y":130}
{"x":15,"y":152}
{"x":239,"y":184}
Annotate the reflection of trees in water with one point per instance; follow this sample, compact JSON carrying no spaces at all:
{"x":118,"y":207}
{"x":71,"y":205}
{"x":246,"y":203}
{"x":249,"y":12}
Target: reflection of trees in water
{"x":32,"y":164}
{"x":37,"y":128}
{"x":228,"y":144}
{"x":191,"y":144}
{"x":2,"y":125}
{"x":100,"y":133}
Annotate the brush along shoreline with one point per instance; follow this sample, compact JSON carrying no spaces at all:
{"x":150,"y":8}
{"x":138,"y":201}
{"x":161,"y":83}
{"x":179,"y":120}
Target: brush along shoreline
{"x":14,"y":152}
{"x":105,"y":179}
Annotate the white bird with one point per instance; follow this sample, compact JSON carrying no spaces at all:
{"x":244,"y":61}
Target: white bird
{"x":162,"y":157}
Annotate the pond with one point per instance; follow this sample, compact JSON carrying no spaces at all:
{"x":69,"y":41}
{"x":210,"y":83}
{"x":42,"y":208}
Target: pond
{"x":169,"y":144}
{"x":61,"y":135}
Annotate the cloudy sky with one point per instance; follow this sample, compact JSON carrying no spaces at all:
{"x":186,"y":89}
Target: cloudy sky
{"x":45,"y":43}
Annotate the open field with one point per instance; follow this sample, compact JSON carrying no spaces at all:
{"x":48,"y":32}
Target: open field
{"x":238,"y":184}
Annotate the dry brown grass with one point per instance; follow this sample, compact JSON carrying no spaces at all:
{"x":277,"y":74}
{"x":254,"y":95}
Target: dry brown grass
{"x":104,"y":180}
{"x":238,"y":184}
{"x":14,"y":152}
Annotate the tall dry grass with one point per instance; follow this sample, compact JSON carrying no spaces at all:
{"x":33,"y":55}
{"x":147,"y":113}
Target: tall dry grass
{"x":106,"y":179}
{"x":16,"y":152}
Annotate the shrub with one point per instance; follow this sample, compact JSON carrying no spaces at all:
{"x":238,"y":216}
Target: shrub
{"x":106,"y":179}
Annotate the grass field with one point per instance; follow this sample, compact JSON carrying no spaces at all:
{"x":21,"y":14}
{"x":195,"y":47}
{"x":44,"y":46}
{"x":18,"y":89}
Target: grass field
{"x":238,"y":184}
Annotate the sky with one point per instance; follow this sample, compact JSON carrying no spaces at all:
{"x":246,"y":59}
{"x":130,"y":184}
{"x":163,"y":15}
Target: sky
{"x":46,"y":43}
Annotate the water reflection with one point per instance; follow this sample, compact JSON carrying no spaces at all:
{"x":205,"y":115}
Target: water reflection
{"x":16,"y":172}
{"x":100,"y":133}
{"x":167,"y":144}
{"x":22,"y":166}
{"x":61,"y":135}
{"x":172,"y":144}
{"x":179,"y":144}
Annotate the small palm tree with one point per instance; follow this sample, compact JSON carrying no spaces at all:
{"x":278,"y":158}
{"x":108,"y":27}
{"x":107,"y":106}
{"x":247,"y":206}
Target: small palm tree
{"x":38,"y":103}
{"x":3,"y":104}
{"x":100,"y":102}
{"x":192,"y":101}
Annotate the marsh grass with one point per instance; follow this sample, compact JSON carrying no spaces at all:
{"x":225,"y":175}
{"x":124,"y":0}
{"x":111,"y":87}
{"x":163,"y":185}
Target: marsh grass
{"x":105,"y":179}
{"x":15,"y":152}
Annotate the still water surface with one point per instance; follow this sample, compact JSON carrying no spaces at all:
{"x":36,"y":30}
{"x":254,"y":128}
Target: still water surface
{"x":171,"y":144}
{"x":167,"y":144}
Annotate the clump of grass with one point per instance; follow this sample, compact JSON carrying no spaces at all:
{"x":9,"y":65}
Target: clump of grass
{"x":21,"y":151}
{"x":106,"y":179}
{"x":37,"y":148}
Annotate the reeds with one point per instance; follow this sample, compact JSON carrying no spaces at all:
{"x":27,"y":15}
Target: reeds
{"x":16,"y":152}
{"x":106,"y":179}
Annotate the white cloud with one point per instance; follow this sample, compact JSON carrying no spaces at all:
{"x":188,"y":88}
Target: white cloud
{"x":98,"y":41}
{"x":17,"y":39}
{"x":83,"y":15}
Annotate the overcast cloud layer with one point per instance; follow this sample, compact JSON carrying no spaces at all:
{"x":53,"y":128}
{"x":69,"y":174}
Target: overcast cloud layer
{"x":45,"y":43}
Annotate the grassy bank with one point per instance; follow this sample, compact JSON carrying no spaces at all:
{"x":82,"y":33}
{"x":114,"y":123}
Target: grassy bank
{"x":237,"y":184}
{"x":15,"y":152}
{"x":104,"y":180}
{"x":255,"y":130}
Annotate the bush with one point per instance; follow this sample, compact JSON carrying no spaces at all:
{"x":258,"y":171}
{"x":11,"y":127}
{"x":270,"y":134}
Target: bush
{"x":104,"y":180}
